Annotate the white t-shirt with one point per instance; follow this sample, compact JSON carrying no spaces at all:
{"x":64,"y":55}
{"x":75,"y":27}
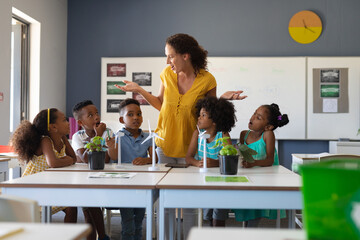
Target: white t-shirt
{"x":80,"y":138}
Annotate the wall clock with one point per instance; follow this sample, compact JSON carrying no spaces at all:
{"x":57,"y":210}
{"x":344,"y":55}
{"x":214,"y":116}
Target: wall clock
{"x":305,"y":27}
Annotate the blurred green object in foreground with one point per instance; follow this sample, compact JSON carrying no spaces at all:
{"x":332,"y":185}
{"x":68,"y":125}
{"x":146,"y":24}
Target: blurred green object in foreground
{"x":331,"y":193}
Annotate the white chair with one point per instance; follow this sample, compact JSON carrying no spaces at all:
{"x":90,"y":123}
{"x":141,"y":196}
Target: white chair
{"x":17,"y":209}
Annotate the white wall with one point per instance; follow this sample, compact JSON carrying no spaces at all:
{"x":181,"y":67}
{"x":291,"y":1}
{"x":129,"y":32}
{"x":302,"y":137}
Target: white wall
{"x":52,"y":17}
{"x":5,"y":40}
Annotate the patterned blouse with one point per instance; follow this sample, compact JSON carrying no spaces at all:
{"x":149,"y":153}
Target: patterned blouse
{"x":39,"y":164}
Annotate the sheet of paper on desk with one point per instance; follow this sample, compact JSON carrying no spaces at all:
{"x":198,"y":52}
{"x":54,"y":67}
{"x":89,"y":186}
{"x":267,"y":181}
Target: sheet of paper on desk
{"x":226,"y":179}
{"x":9,"y":231}
{"x":125,"y":175}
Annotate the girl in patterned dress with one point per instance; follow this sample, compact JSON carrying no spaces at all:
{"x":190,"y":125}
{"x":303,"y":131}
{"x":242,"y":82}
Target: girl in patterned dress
{"x":43,"y":144}
{"x":260,"y":137}
{"x":216,"y":117}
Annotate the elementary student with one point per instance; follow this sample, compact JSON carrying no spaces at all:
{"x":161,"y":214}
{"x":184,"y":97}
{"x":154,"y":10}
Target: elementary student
{"x":87,"y":116}
{"x":43,"y":144}
{"x":216,"y":117}
{"x":134,"y":151}
{"x":260,"y":137}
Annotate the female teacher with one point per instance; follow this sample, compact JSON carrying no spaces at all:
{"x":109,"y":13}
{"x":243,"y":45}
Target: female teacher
{"x":183,"y":83}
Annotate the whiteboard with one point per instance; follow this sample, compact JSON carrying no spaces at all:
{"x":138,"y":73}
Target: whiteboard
{"x":331,"y":126}
{"x":265,"y":80}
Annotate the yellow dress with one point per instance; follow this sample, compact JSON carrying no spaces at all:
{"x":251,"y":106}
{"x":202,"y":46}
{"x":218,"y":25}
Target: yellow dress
{"x":39,"y":164}
{"x":177,"y":119}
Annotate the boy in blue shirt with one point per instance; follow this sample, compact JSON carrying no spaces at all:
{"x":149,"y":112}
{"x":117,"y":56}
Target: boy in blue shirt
{"x":132,"y":151}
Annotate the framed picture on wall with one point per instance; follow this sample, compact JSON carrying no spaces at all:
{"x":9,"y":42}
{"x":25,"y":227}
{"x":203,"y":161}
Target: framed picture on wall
{"x":116,"y":70}
{"x":112,"y":105}
{"x":112,"y":90}
{"x":330,"y":75}
{"x":142,"y":78}
{"x":140,"y":98}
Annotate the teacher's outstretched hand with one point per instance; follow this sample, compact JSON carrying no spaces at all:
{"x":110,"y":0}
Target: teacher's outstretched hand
{"x":129,"y":87}
{"x":233,"y":95}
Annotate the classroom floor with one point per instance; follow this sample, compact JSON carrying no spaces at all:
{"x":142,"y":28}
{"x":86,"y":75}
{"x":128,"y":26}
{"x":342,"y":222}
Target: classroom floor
{"x":116,"y":223}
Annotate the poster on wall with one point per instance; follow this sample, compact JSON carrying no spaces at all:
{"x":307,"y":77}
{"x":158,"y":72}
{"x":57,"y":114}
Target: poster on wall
{"x":330,"y":90}
{"x":112,"y":105}
{"x":116,"y":70}
{"x":142,"y":78}
{"x":111,"y":89}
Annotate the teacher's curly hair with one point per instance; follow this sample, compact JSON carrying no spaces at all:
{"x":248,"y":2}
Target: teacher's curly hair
{"x":184,"y":43}
{"x":221,"y":112}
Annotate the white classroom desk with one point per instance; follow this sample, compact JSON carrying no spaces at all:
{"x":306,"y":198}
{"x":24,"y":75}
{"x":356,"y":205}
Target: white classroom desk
{"x":241,"y":171}
{"x":110,"y":167}
{"x":269,"y":188}
{"x":54,"y":231}
{"x":14,"y":168}
{"x":248,"y":233}
{"x":50,"y":188}
{"x":4,"y":167}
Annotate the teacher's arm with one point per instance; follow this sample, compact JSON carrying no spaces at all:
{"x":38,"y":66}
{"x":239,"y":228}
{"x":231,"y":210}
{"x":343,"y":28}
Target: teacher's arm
{"x":155,"y":101}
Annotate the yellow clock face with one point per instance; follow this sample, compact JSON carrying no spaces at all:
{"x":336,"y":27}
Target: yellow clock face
{"x":305,"y":27}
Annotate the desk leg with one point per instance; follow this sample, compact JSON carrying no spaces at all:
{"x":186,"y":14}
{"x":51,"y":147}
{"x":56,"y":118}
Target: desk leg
{"x":278,"y":218}
{"x":172,"y":223}
{"x":200,"y":217}
{"x":149,"y":213}
{"x":291,"y":218}
{"x":161,"y":216}
{"x":46,"y":214}
{"x":178,"y":231}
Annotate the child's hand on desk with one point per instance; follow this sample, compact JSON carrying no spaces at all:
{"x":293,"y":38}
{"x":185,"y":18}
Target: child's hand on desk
{"x":141,"y":161}
{"x":198,"y":163}
{"x":246,"y":164}
{"x":212,"y":162}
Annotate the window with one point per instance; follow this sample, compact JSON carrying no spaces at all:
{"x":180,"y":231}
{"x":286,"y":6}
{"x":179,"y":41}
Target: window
{"x":19,"y":100}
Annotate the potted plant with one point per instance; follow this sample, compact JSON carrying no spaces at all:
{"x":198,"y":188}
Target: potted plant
{"x":96,"y":151}
{"x":229,"y":156}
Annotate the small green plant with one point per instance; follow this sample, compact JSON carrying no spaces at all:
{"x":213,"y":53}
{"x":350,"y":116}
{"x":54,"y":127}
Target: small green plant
{"x":227,"y":149}
{"x":230,"y":150}
{"x":358,"y":132}
{"x":97,"y":144}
